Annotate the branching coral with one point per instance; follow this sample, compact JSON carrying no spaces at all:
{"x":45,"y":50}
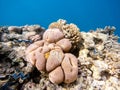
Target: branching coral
{"x":49,"y":55}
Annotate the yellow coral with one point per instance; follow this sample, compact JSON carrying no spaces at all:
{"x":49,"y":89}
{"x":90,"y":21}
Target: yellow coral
{"x":47,"y":55}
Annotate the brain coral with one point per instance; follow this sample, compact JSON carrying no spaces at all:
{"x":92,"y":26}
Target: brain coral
{"x":49,"y":55}
{"x":71,"y":31}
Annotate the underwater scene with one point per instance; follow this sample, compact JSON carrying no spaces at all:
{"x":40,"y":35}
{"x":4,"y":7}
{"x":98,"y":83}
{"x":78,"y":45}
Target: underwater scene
{"x":59,"y":45}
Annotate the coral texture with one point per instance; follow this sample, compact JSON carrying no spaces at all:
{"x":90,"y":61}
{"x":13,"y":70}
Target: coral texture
{"x":71,"y":31}
{"x":95,"y":67}
{"x":49,"y":55}
{"x":100,"y":59}
{"x":13,"y":43}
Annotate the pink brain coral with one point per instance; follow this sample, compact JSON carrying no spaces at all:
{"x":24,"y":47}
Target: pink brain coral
{"x":65,"y":44}
{"x":53,"y":35}
{"x":60,"y":75}
{"x":70,"y":68}
{"x":55,"y":58}
{"x":40,"y":61}
{"x":49,"y":55}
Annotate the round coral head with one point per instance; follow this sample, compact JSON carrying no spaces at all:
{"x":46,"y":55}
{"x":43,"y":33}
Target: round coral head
{"x":57,"y":75}
{"x":53,"y":35}
{"x":65,"y":44}
{"x":70,"y":68}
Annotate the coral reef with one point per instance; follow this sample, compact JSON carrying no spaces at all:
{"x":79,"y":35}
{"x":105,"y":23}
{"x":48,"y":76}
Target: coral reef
{"x":100,"y":56}
{"x":13,"y":43}
{"x":49,"y":62}
{"x":49,"y":55}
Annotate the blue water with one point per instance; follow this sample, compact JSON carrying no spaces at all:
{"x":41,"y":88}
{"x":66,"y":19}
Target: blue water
{"x":87,"y":14}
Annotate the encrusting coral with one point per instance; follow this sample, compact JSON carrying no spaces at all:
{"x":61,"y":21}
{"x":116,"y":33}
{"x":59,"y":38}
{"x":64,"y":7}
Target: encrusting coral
{"x":49,"y":55}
